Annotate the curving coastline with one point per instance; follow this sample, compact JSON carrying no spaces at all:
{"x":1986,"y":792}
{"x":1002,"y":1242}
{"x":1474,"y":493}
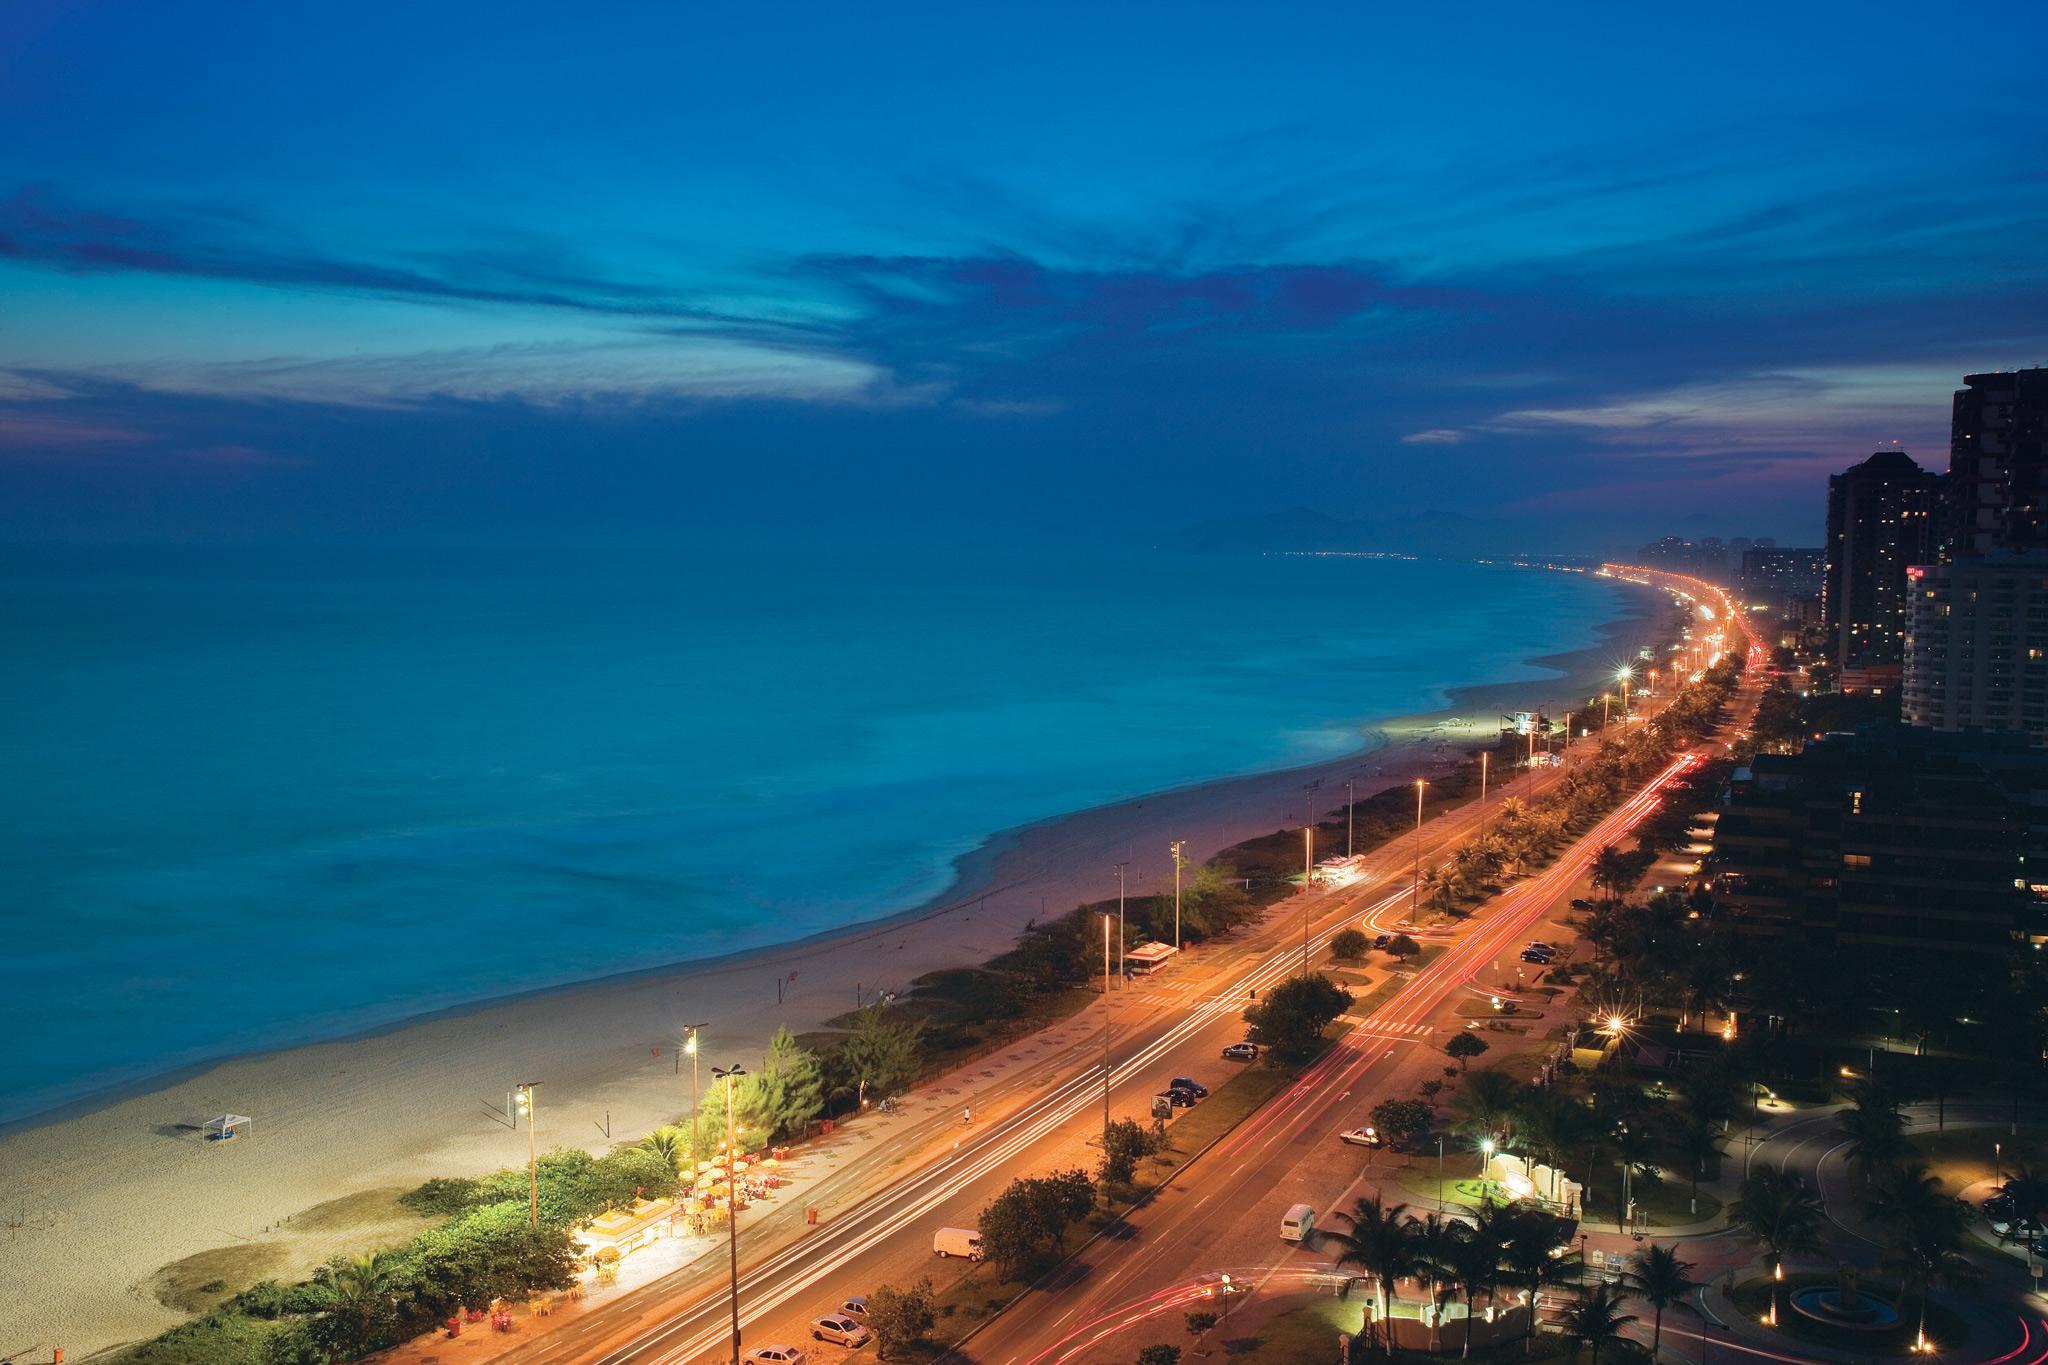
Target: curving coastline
{"x":383,"y":1109}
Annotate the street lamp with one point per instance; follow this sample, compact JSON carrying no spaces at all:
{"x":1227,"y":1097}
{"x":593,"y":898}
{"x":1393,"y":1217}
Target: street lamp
{"x":527,"y":1093}
{"x":1308,"y":881}
{"x":1485,"y":1157}
{"x":1622,"y":676}
{"x":1178,"y":861}
{"x":1120,"y":917}
{"x":1351,"y":812}
{"x":732,"y":1199}
{"x":1605,"y":698}
{"x":1415,"y":907}
{"x":696,"y":1132}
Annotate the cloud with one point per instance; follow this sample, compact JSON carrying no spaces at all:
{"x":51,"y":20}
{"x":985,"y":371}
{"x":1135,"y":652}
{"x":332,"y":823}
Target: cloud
{"x":1435,"y":436}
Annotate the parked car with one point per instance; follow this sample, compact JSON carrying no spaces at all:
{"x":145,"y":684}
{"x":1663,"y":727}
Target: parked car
{"x":1368,"y":1136}
{"x":2039,"y":1246}
{"x":1241,"y":1052}
{"x":1297,"y":1223}
{"x":774,"y":1355}
{"x":1538,"y":959}
{"x":1178,"y":1099}
{"x":840,"y":1330}
{"x":1998,"y":1206}
{"x":1581,"y":903}
{"x":1541,"y":946}
{"x":856,"y":1307}
{"x":1189,"y":1084}
{"x":1380,"y":944}
{"x":2009,"y":1226}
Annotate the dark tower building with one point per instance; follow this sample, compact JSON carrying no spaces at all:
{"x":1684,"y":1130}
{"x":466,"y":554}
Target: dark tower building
{"x":1998,"y":464}
{"x":1881,"y":518}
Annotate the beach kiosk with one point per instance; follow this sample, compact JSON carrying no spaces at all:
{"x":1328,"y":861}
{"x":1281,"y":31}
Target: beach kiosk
{"x":227,"y":1127}
{"x":623,"y":1231}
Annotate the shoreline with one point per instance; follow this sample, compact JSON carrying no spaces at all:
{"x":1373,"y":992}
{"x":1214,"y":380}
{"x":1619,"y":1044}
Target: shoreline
{"x":420,"y":1096}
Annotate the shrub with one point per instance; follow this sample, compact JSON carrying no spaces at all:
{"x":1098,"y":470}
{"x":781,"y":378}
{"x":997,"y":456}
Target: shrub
{"x":1348,"y":945}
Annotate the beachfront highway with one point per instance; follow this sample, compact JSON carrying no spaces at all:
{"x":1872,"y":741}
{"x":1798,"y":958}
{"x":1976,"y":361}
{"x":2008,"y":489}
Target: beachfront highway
{"x":1219,"y":1213}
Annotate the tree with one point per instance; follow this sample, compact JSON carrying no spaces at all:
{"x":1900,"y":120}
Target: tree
{"x":881,"y":1054}
{"x":1198,"y":1323}
{"x":900,"y":1317}
{"x":1922,"y":1228}
{"x":1025,"y":1226}
{"x":1291,"y":1019}
{"x":1528,"y":1236}
{"x":668,"y":1143}
{"x":1403,"y":947}
{"x":1613,"y":872}
{"x":1780,"y":1212}
{"x":1348,"y":945}
{"x":1597,"y":1319}
{"x":1475,"y":1259}
{"x":1124,"y":1143}
{"x":1661,"y":1279}
{"x":1434,"y":1237}
{"x":1159,"y":1355}
{"x":1874,"y":1128}
{"x":358,"y":1297}
{"x":1465,"y":1045}
{"x":1402,"y":1122}
{"x":785,"y":1094}
{"x":1486,"y":1101}
{"x":1382,"y":1240}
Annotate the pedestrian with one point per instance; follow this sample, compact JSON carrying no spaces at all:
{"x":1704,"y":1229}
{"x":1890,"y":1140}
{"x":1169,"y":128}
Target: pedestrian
{"x":967,"y":1114}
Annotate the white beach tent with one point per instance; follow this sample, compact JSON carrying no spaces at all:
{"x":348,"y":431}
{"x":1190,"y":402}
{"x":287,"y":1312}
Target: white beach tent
{"x":226,"y":1126}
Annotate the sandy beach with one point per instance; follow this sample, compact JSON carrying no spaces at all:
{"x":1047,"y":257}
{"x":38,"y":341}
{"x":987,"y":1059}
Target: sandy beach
{"x":99,"y":1202}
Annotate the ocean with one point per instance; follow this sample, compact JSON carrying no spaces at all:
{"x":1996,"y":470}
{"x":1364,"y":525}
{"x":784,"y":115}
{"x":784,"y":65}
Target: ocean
{"x":259,"y":798}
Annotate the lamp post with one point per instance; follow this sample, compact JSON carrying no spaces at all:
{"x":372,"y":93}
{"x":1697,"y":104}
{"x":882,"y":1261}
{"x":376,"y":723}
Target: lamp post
{"x":1415,"y":903}
{"x":1484,"y":757}
{"x":732,"y":1199}
{"x":527,"y":1096}
{"x":1485,"y":1157}
{"x":1120,"y":868}
{"x":1622,"y":676}
{"x":1605,"y":698}
{"x":1350,"y":813}
{"x":696,"y":1133}
{"x":1308,"y":880}
{"x":1178,"y":860}
{"x":1105,"y":1025}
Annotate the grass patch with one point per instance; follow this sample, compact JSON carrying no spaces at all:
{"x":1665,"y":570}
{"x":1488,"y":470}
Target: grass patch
{"x":1753,"y":1297}
{"x":1963,"y":1156}
{"x":1228,"y":1105}
{"x":1309,"y":1333}
{"x":200,"y":1281}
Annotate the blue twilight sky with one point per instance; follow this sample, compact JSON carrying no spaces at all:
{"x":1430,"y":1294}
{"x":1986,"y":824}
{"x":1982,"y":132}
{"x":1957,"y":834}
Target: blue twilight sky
{"x":456,"y":271}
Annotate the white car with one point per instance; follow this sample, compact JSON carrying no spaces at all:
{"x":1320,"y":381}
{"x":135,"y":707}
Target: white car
{"x":1367,"y":1136}
{"x":839,"y":1329}
{"x":774,"y":1355}
{"x":856,"y":1307}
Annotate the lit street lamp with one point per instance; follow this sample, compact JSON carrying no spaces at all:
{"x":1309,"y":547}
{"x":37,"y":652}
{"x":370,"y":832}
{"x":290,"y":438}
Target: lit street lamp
{"x":1120,"y":916}
{"x":1485,"y":1155}
{"x":527,"y":1096}
{"x":1415,"y":908}
{"x":696,"y":1135}
{"x":1178,"y":862}
{"x":732,"y":1198}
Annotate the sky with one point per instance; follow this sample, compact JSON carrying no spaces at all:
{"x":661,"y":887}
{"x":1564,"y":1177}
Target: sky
{"x":511,"y":273}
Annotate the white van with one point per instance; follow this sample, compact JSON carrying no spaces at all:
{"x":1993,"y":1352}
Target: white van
{"x":957,"y":1242}
{"x":1297,"y":1223}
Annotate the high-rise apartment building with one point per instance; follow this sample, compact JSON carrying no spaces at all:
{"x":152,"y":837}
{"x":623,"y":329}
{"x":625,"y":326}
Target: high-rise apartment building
{"x":1998,"y":464}
{"x":1888,"y":840}
{"x":1977,"y":645}
{"x":1881,"y":519}
{"x":1773,"y":571}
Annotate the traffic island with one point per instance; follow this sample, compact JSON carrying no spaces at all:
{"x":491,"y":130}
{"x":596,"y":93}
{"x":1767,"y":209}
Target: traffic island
{"x":1823,"y":1310}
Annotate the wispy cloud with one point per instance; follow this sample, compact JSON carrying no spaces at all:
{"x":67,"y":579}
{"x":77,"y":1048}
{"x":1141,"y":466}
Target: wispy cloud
{"x":1435,"y":436}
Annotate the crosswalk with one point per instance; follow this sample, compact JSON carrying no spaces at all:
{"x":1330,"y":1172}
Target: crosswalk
{"x":1374,"y":1029}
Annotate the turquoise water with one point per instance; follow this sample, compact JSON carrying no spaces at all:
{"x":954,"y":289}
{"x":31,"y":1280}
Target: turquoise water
{"x":254,"y":799}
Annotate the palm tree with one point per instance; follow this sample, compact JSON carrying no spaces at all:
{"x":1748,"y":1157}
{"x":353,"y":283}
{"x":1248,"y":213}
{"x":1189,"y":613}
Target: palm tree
{"x":1434,"y":1237}
{"x":667,"y":1143}
{"x":358,"y":1292}
{"x":1924,"y":1253}
{"x":1634,"y":1149}
{"x":1613,"y":872}
{"x":1874,"y":1129}
{"x":1696,"y":1145}
{"x":1660,"y":1278}
{"x":1780,"y":1212}
{"x":1474,"y":1263}
{"x":1528,"y":1237}
{"x":1597,"y":1319}
{"x":1436,"y":888}
{"x":1382,"y":1240}
{"x":1486,"y":1102}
